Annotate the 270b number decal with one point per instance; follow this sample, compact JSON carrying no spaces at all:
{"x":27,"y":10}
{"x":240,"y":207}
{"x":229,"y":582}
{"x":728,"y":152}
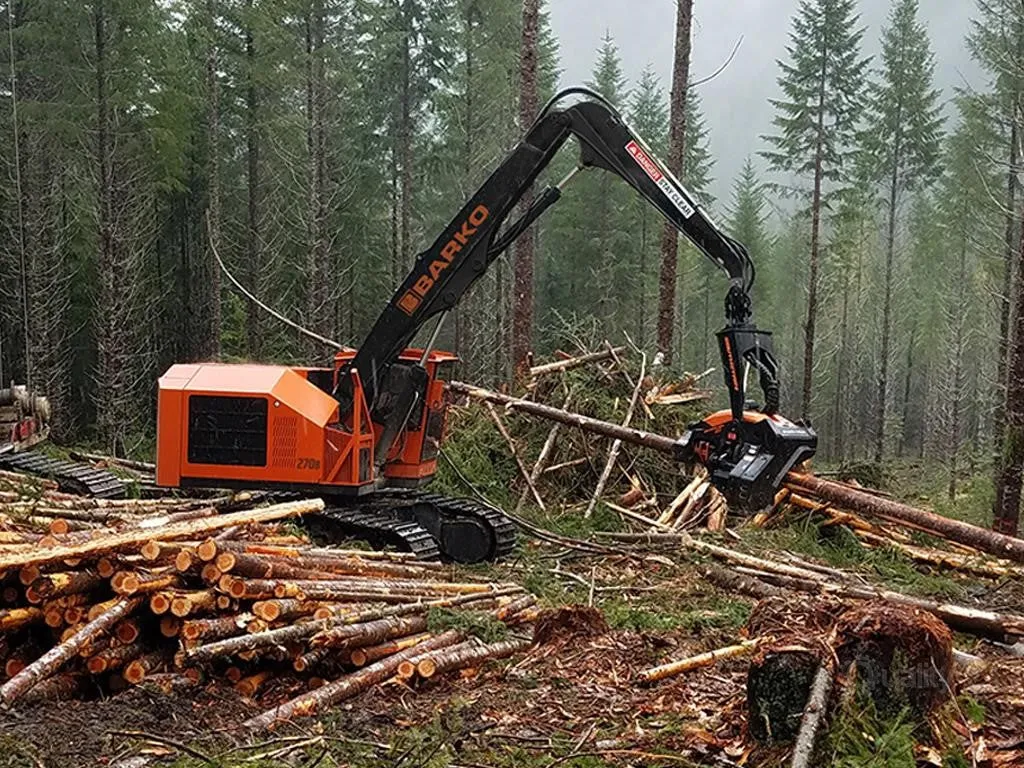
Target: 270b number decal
{"x":309,"y":464}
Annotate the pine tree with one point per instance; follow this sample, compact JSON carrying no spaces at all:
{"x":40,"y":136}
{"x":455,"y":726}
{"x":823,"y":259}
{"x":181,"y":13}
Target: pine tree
{"x":649,"y":117}
{"x":748,"y":223}
{"x":902,"y":143}
{"x":816,"y":120}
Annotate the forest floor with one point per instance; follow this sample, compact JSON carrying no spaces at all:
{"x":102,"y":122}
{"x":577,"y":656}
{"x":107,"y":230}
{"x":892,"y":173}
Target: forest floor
{"x":573,"y":700}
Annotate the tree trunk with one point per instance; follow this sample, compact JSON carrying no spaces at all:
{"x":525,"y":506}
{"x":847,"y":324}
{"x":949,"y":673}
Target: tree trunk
{"x":839,"y":411}
{"x":958,"y":369}
{"x":319,"y":309}
{"x":252,"y":142}
{"x":812,"y":286}
{"x":405,"y":135}
{"x":998,"y":413}
{"x":676,"y":153}
{"x":1011,"y":462}
{"x":908,"y":385}
{"x":890,"y":251}
{"x":522,"y":317}
{"x":210,"y":343}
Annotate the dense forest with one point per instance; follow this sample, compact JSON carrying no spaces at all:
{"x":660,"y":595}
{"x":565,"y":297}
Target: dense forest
{"x":318,"y":145}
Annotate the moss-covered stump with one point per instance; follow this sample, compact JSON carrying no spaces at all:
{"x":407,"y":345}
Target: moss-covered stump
{"x":900,"y":657}
{"x":778,"y":686}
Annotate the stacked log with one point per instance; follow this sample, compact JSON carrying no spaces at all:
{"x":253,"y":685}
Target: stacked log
{"x":154,"y":589}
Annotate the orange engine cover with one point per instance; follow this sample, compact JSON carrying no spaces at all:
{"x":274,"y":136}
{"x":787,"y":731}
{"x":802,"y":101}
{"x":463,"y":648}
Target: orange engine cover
{"x":257,"y":425}
{"x":273,"y":426}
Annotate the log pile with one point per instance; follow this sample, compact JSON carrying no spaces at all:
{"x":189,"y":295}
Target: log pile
{"x":99,"y":595}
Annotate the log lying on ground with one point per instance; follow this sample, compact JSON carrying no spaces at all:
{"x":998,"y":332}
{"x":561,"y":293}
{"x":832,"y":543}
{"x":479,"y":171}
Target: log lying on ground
{"x":57,"y":656}
{"x":710,"y":658}
{"x":814,"y":714}
{"x":874,"y":506}
{"x":190,"y":528}
{"x":988,"y":624}
{"x":346,"y":687}
{"x":446,"y":661}
{"x":858,"y":501}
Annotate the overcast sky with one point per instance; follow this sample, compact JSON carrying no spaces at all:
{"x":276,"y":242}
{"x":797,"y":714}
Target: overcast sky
{"x":735,"y":103}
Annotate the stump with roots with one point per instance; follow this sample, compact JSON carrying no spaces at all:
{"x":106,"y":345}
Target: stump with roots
{"x":899,"y":657}
{"x":778,"y":686}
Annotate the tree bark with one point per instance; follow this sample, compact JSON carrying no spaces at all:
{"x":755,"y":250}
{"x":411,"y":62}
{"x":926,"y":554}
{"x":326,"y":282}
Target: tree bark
{"x":346,"y":687}
{"x":1009,"y":253}
{"x":1011,"y":462}
{"x":56,"y":657}
{"x":210,"y":343}
{"x":254,"y":256}
{"x":522,"y":313}
{"x":890,"y":251}
{"x":676,"y":153}
{"x":133,"y":537}
{"x":812,"y":280}
{"x":700,"y":661}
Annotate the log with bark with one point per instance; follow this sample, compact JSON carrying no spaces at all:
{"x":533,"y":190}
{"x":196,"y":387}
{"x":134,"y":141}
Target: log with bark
{"x":317,"y":701}
{"x":56,"y":657}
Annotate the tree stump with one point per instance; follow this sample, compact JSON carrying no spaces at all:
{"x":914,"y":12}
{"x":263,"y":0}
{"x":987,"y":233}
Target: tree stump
{"x":778,"y":685}
{"x":899,"y":656}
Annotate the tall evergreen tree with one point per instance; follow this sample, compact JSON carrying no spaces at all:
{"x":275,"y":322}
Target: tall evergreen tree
{"x":903,"y":144}
{"x":648,"y":114}
{"x":822,"y":84}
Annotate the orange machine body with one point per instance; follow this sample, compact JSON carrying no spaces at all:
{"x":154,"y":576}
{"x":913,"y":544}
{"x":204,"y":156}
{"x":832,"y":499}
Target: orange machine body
{"x":276,"y":426}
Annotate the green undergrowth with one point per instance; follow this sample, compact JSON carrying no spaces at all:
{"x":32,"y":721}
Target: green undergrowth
{"x":480,"y":625}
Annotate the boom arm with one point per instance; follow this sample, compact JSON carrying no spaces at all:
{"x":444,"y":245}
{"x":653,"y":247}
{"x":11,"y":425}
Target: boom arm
{"x":459,"y":257}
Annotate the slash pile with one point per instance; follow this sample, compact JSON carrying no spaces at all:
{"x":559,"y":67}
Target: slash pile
{"x":101,"y":594}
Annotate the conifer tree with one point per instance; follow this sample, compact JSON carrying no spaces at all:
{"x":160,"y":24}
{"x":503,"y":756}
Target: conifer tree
{"x":902,"y":142}
{"x":816,"y":118}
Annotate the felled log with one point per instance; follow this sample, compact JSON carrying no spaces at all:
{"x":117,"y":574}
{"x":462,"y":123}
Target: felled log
{"x":295,"y":632}
{"x":13,"y":619}
{"x":114,"y":658}
{"x":57,"y":688}
{"x":189,"y":528}
{"x":250,"y":684}
{"x":215,"y":629}
{"x":344,"y":688}
{"x":64,"y":583}
{"x":369,"y":633}
{"x":613,"y":452}
{"x":188,"y":603}
{"x":700,"y":661}
{"x":579,"y":421}
{"x":360,"y":657}
{"x":286,"y":609}
{"x":575,"y":362}
{"x":60,"y":654}
{"x":137,"y":670}
{"x":863,"y":503}
{"x":814,"y":713}
{"x":995,"y":626}
{"x":443,"y":661}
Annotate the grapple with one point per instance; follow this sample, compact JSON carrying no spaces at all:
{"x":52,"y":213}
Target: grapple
{"x":747,"y":460}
